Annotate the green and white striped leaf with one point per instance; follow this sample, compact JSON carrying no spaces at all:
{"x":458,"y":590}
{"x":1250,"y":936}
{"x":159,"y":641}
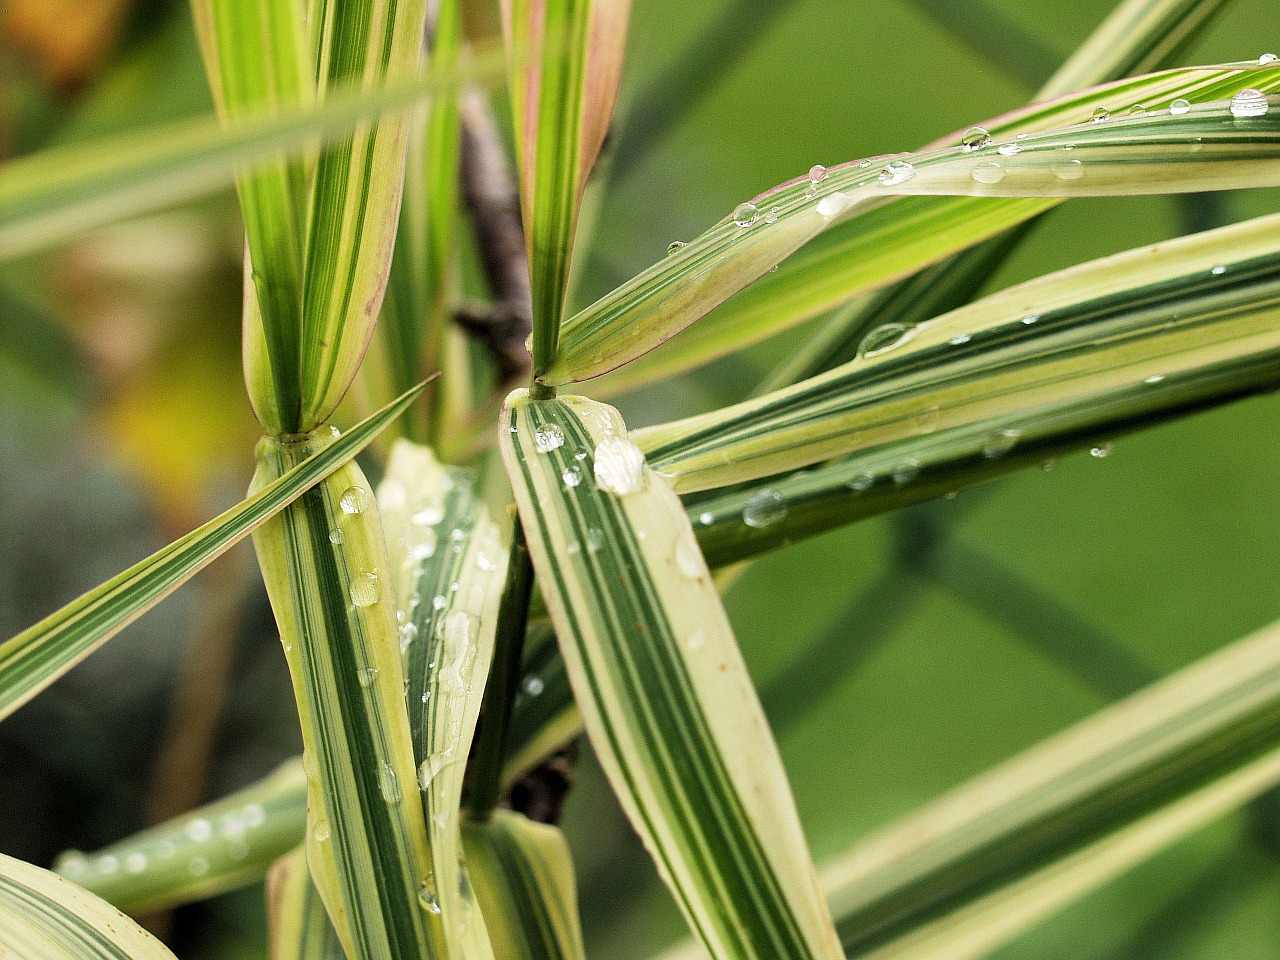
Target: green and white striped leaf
{"x":661,"y":684}
{"x":967,"y":873}
{"x":215,"y":848}
{"x":35,"y":658}
{"x":331,"y":586}
{"x":449,"y":565}
{"x":299,"y":927}
{"x":562,"y":97}
{"x":1111,"y":343}
{"x":523,"y":878}
{"x":873,"y":239}
{"x":45,"y":917}
{"x":55,"y":194}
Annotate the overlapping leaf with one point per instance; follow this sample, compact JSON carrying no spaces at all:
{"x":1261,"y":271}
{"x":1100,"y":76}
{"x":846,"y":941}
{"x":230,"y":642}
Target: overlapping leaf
{"x":33,"y":659}
{"x":660,"y":681}
{"x":562,"y":97}
{"x":874,"y":238}
{"x":299,"y":927}
{"x":45,"y":917}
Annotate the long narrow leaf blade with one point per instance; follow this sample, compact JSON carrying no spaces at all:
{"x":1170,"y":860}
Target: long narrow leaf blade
{"x":299,"y":926}
{"x":873,"y":239}
{"x":33,"y":659}
{"x":45,"y":917}
{"x":661,"y":684}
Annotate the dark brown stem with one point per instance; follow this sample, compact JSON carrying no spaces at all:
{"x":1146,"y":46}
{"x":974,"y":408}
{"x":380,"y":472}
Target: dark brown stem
{"x":492,"y":199}
{"x":540,"y":793}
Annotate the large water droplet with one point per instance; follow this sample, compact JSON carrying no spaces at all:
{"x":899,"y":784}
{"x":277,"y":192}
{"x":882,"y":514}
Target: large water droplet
{"x":427,"y":897}
{"x":619,"y":466}
{"x":695,"y":641}
{"x":674,"y":247}
{"x":895,"y":172}
{"x":1031,"y":318}
{"x":365,"y":590}
{"x":817,"y":173}
{"x":1218,"y":270}
{"x":321,"y":830}
{"x":548,"y":437}
{"x":987,"y":172}
{"x":1009,"y":149}
{"x":572,"y":476}
{"x":688,"y":556}
{"x":1069,"y":170}
{"x":336,"y":536}
{"x":1000,"y":442}
{"x":976,"y":139}
{"x":389,"y":784}
{"x":354,"y":500}
{"x":1100,"y":114}
{"x":884,"y":338}
{"x":745,"y":214}
{"x":1180,"y":106}
{"x":862,"y":480}
{"x":1267,"y":58}
{"x":960,"y":339}
{"x":1249,"y":103}
{"x":834,"y":204}
{"x":1137,"y":110}
{"x":764,"y":509}
{"x":905,"y":470}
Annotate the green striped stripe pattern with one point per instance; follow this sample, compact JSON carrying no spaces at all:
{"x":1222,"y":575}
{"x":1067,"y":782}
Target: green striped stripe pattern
{"x":328,"y":576}
{"x":39,"y":655}
{"x":523,"y":878}
{"x":877,"y":239}
{"x":1111,"y":343}
{"x":661,"y":684}
{"x":299,"y":927}
{"x":44,"y":917}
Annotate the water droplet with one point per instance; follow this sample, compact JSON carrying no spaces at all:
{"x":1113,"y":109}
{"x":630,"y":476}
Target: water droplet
{"x":1100,"y":114}
{"x":764,"y":509}
{"x":135,"y":862}
{"x":389,"y":784}
{"x":688,"y":556}
{"x":1179,"y":107}
{"x":696,"y":641}
{"x":365,"y":590}
{"x":572,"y":476}
{"x":1154,"y":378}
{"x":548,"y":437}
{"x":336,"y":536}
{"x":528,"y":347}
{"x":1137,"y":110}
{"x":1268,"y":58}
{"x":988,"y":171}
{"x":896,"y":171}
{"x":1218,"y":270}
{"x":1101,"y":450}
{"x":1009,"y":149}
{"x":862,"y":480}
{"x":745,"y":214}
{"x":595,"y":539}
{"x":354,"y":500}
{"x":674,"y":247}
{"x":1000,"y":442}
{"x":1031,"y":318}
{"x":197,"y":866}
{"x":960,"y":338}
{"x":834,"y":204}
{"x":976,"y":139}
{"x":817,"y":173}
{"x":254,"y":815}
{"x":1069,"y":170}
{"x":905,"y":470}
{"x":369,"y":674}
{"x":427,"y":897}
{"x":1249,"y":103}
{"x":706,"y":518}
{"x":428,"y":516}
{"x":619,"y":466}
{"x":533,"y":685}
{"x":883,"y":339}
{"x":199,"y":830}
{"x":321,"y":830}
{"x":107,"y":863}
{"x":773,"y":215}
{"x":423,"y":545}
{"x":438,"y":602}
{"x":1049,"y":466}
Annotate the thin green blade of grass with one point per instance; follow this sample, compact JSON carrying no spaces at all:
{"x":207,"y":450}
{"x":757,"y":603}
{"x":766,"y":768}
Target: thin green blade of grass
{"x":331,"y":586}
{"x":968,"y":872}
{"x":562,"y":98}
{"x":875,"y":238}
{"x":298,"y":926}
{"x":658,"y":676}
{"x":218,"y":847}
{"x":57,"y":193}
{"x":46,"y":917}
{"x":35,"y":658}
{"x":450,"y":565}
{"x":523,"y":878}
{"x":1122,"y":337}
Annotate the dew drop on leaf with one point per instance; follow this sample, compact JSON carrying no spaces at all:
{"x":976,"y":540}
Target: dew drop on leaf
{"x":365,"y":590}
{"x":987,"y":172}
{"x":896,"y":171}
{"x":764,"y":509}
{"x":548,"y":437}
{"x":745,"y":214}
{"x":1249,"y":103}
{"x":619,"y":466}
{"x":1180,"y":106}
{"x":354,"y":500}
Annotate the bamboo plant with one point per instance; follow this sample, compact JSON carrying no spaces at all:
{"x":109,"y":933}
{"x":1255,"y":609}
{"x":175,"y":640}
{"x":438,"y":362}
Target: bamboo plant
{"x":523,"y":538}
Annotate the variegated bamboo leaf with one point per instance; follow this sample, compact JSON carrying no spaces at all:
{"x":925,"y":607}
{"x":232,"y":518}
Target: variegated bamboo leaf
{"x":661,"y":684}
{"x":298,"y":926}
{"x":33,"y":659}
{"x":46,"y":917}
{"x":562,"y":96}
{"x":1031,"y":158}
{"x":523,"y":878}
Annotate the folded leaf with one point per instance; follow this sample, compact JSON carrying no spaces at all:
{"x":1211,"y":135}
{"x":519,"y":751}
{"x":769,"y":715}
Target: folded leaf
{"x":664,"y":694}
{"x":298,"y":925}
{"x":33,"y":659}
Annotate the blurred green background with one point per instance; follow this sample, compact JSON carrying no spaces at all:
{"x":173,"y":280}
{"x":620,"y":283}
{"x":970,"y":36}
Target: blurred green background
{"x":897,"y":657}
